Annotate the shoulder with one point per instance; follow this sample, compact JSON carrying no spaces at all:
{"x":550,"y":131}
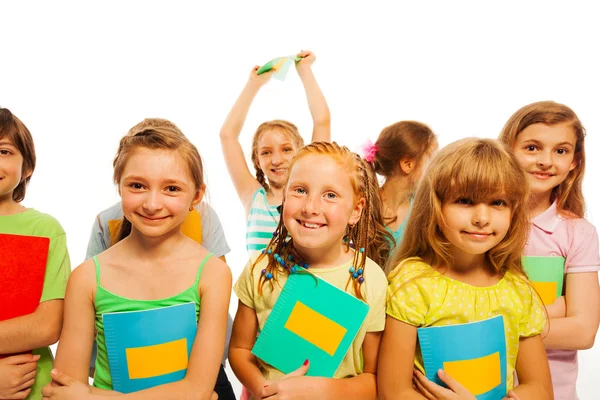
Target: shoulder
{"x":84,"y":275}
{"x":374,"y":273}
{"x":216,"y":270}
{"x":580,"y":226}
{"x":409,"y":269}
{"x":43,"y":224}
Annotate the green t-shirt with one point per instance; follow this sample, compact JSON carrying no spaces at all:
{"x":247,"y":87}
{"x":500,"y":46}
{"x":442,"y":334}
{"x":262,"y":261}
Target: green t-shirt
{"x":34,"y":223}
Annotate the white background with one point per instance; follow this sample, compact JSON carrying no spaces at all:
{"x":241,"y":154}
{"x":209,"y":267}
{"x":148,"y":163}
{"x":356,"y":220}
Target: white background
{"x":81,"y":74}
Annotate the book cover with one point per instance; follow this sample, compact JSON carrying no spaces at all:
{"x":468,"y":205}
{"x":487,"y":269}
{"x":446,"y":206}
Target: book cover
{"x":312,"y":319}
{"x":22,"y":269}
{"x":546,"y":275}
{"x":474,"y":354}
{"x":150,"y":347}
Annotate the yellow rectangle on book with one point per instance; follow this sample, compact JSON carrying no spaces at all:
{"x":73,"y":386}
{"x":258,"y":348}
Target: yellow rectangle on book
{"x":315,"y":328}
{"x":157,"y":360}
{"x":477,"y":375}
{"x":546,"y":290}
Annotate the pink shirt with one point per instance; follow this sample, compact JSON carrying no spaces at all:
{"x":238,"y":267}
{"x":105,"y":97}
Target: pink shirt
{"x":576,"y":240}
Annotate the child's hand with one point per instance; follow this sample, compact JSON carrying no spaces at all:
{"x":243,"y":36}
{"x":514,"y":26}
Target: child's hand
{"x":511,"y":396}
{"x":558,"y":309}
{"x":308,"y":59}
{"x":261,"y":79}
{"x":17,"y":374}
{"x":433,"y":391}
{"x":67,"y":388}
{"x":293,"y":386}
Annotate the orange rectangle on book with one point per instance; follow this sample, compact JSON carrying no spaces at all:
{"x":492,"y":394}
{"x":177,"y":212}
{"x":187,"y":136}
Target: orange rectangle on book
{"x":478,"y":375}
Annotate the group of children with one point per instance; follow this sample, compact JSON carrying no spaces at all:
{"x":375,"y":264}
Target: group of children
{"x":441,"y":242}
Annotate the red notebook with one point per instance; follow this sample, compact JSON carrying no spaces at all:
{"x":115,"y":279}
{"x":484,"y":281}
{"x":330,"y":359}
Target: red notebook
{"x":22,"y":269}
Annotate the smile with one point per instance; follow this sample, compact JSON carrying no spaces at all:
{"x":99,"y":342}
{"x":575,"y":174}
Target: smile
{"x":310,"y":225}
{"x":153,"y":219}
{"x":541,"y":175}
{"x":478,"y":235}
{"x":279,"y":171}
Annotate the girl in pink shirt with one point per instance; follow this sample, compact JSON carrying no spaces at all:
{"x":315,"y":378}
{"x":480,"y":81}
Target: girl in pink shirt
{"x":548,"y":139}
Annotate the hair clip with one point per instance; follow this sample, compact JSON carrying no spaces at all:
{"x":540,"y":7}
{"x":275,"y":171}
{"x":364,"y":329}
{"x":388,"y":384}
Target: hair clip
{"x":369,"y":149}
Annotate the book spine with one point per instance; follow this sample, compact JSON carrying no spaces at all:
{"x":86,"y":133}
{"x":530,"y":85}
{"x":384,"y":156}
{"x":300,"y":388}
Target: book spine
{"x":113,"y":357}
{"x":427,"y":354}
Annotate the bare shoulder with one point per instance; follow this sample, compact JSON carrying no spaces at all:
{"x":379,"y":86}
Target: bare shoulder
{"x":216,"y":272}
{"x":83,"y":278}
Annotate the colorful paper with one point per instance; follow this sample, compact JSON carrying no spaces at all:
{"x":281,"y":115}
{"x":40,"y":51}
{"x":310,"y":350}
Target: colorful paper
{"x":546,"y":275}
{"x":22,"y":269}
{"x":311,"y":319}
{"x":149,"y":348}
{"x":280,"y":65}
{"x":474,"y":354}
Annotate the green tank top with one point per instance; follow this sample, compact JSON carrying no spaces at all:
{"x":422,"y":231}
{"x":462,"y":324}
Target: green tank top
{"x":107,"y":302}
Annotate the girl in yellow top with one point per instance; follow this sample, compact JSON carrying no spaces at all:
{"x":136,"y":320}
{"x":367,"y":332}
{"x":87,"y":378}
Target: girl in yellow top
{"x":329,"y":203}
{"x":460,"y":262}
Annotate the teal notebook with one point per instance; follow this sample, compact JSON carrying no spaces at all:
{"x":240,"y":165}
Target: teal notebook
{"x":546,"y":275}
{"x":311,"y":319}
{"x":474,"y":354}
{"x":150,"y":347}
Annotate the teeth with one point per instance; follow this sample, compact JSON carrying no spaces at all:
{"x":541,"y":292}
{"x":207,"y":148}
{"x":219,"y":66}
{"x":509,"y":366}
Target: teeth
{"x":309,"y":225}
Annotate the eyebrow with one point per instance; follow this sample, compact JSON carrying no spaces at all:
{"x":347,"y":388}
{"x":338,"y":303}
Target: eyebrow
{"x":165,"y":181}
{"x":558,"y":144}
{"x":281,"y":145}
{"x":7,"y":143}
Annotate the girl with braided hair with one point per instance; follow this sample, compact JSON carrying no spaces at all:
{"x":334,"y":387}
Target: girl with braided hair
{"x":329,"y":227}
{"x":274,"y":145}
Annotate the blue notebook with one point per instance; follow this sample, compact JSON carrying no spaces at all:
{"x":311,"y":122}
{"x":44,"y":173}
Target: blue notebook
{"x":474,"y":354}
{"x":312,"y":319}
{"x":149,"y":348}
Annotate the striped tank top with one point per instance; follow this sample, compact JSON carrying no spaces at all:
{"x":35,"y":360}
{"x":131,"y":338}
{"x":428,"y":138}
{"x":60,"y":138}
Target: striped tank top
{"x":262,"y":222}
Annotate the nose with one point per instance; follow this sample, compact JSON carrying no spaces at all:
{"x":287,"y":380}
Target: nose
{"x":152,"y":203}
{"x":544,"y":159}
{"x":481,"y":215}
{"x":276,"y":158}
{"x":311,"y":205}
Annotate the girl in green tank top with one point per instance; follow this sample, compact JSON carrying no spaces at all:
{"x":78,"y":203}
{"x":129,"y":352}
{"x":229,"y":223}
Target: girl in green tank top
{"x":154,"y":265}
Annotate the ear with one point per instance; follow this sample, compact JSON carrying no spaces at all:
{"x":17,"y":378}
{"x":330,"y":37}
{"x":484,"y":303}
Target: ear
{"x":357,"y":211}
{"x":198,"y":196}
{"x":573,"y":164}
{"x":26,"y":173}
{"x":407,"y":165}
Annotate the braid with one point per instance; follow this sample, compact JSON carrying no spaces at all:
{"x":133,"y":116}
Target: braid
{"x":260,"y":177}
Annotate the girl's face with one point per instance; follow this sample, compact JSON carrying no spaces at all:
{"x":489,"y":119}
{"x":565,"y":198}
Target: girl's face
{"x":275,"y":151}
{"x":157,"y":191}
{"x":319,"y":203}
{"x":547,"y":155}
{"x":474,"y":228}
{"x":11,"y":168}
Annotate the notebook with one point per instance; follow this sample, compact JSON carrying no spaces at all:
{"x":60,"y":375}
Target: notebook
{"x":312,"y":319}
{"x":150,"y":347}
{"x":474,"y":354}
{"x":22,"y":269}
{"x":546,"y":275}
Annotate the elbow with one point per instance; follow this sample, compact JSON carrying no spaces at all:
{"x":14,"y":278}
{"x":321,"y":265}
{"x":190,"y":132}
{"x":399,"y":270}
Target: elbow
{"x":588,"y":341}
{"x":51,"y":333}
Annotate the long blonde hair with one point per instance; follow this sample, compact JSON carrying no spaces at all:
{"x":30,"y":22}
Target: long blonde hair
{"x":368,"y":233}
{"x":479,"y":170}
{"x":569,"y":194}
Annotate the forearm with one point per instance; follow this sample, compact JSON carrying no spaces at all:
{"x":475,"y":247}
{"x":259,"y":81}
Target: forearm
{"x":29,"y":332}
{"x":104,"y":392}
{"x":570,"y":333}
{"x":360,"y":387}
{"x":408,"y":394}
{"x":232,"y":127}
{"x":181,"y":390}
{"x":317,"y":105}
{"x":245,"y":367}
{"x":533,"y":391}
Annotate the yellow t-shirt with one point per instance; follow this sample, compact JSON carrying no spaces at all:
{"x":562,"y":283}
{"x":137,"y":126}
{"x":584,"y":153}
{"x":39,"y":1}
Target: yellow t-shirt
{"x":373,"y":290}
{"x":420,"y":296}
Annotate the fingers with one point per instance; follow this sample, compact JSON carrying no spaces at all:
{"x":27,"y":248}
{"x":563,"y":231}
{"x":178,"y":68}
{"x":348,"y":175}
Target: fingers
{"x":300,"y":371}
{"x":437,"y":391}
{"x":28,"y":368}
{"x":421,"y":389}
{"x":21,"y":359}
{"x":452,"y":384}
{"x":61,"y":378}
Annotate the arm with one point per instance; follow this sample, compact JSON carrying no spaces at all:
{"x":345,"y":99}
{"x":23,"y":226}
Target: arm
{"x":32,"y":331}
{"x":396,"y":362}
{"x":75,"y":346}
{"x":243,"y":363}
{"x":533,"y":370}
{"x":582,"y":315}
{"x":243,"y":180}
{"x":319,"y":110}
